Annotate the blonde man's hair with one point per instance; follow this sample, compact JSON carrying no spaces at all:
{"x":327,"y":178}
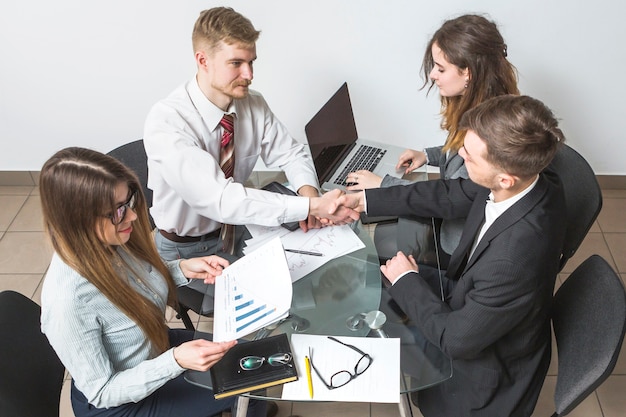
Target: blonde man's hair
{"x":222,"y":24}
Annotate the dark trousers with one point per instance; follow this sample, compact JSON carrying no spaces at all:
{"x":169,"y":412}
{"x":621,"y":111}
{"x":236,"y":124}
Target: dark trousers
{"x":174,"y":399}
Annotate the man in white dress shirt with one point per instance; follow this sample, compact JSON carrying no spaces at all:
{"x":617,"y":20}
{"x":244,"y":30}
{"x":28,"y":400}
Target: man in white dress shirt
{"x":193,"y":197}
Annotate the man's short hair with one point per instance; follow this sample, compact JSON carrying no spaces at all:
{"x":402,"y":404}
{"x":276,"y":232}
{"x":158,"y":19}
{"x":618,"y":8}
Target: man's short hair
{"x":521,"y":133}
{"x":222,"y":24}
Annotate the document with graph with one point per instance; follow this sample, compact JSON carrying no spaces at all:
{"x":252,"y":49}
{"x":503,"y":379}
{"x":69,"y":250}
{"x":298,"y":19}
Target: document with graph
{"x":252,"y":292}
{"x":329,"y":242}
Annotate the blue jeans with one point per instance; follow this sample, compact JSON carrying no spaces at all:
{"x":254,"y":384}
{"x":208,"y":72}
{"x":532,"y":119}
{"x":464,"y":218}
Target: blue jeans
{"x":174,"y":399}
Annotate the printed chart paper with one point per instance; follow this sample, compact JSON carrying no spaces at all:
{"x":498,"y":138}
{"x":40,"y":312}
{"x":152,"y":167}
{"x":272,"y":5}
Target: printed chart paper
{"x":252,"y":292}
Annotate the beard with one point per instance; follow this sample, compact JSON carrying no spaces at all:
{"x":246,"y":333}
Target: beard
{"x":236,"y":89}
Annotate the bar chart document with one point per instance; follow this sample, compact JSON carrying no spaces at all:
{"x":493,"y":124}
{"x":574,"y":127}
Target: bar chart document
{"x":252,"y":292}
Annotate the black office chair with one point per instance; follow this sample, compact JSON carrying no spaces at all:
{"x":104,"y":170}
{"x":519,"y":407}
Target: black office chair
{"x":31,"y":374}
{"x":133,"y":155}
{"x":589,"y":319}
{"x":583,"y":197}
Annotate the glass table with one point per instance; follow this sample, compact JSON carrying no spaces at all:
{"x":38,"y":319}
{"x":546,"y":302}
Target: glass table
{"x":346,"y":297}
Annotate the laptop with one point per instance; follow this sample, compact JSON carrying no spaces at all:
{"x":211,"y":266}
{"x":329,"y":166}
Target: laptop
{"x":336,"y":148}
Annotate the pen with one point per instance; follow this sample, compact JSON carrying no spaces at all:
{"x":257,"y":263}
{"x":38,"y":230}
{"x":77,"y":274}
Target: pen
{"x":304,"y":252}
{"x":307,"y":363}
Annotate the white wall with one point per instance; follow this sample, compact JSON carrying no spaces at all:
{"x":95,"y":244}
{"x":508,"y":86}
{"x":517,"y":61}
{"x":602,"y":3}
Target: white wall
{"x":76,"y":72}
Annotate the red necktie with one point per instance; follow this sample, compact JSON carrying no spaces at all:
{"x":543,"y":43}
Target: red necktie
{"x":227,"y":148}
{"x":227,"y":163}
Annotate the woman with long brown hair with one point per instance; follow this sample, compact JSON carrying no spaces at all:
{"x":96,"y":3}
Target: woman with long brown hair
{"x":105,"y":294}
{"x":466,"y":59}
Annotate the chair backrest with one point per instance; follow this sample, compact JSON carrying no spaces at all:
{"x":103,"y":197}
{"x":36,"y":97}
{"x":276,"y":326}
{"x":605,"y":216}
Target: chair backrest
{"x":133,"y":155}
{"x":31,"y":375}
{"x":589,"y":319}
{"x":583,"y":197}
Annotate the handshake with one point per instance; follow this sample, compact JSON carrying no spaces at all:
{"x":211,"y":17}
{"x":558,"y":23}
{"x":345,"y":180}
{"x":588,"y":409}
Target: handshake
{"x":337,"y":207}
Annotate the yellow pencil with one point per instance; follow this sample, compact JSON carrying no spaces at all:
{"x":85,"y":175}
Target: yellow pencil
{"x":307,"y":363}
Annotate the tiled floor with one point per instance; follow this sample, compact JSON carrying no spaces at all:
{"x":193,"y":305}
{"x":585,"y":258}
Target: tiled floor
{"x":25,"y":254}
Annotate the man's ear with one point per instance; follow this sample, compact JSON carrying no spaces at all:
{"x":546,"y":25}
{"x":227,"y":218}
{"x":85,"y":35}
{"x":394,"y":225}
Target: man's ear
{"x":507,"y":181}
{"x":201,"y":59}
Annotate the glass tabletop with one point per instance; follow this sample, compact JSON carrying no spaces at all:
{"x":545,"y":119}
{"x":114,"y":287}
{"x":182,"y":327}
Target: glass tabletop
{"x":346,"y":297}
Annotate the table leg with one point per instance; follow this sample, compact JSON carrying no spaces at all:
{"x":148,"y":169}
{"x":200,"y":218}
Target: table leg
{"x":375,"y":320}
{"x":242,"y":406}
{"x":405,"y":404}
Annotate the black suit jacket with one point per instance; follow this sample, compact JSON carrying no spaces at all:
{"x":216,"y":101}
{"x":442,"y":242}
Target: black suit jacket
{"x":495,"y":321}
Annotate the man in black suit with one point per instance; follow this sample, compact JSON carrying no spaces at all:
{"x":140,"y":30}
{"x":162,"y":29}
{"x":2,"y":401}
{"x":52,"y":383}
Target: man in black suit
{"x":494,"y":318}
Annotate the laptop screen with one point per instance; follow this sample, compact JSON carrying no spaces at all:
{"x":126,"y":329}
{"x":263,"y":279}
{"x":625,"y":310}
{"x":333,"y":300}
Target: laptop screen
{"x":330,"y":131}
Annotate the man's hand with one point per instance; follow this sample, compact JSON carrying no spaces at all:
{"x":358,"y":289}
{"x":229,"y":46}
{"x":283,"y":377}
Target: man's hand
{"x":201,"y":354}
{"x":398,"y":266}
{"x":310,"y":222}
{"x":329,"y":211}
{"x":352,"y":201}
{"x":206,"y":268}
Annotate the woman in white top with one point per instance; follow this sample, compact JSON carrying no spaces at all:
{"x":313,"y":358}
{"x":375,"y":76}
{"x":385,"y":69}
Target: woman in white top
{"x":105,"y":294}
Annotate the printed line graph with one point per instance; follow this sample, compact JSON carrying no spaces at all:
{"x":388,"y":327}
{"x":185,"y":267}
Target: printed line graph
{"x":332,"y":242}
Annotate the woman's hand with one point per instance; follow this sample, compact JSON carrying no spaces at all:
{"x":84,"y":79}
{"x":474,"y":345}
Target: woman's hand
{"x":363,"y":179}
{"x":206,"y":268}
{"x":410,"y":160}
{"x":201,"y":354}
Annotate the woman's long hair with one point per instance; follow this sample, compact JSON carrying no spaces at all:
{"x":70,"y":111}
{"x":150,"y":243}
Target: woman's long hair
{"x":470,"y":42}
{"x":77,"y":189}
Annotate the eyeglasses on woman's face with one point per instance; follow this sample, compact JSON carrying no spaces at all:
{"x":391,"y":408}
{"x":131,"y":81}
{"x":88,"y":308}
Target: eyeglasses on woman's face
{"x":119,"y":214}
{"x":250,"y":363}
{"x":341,"y":378}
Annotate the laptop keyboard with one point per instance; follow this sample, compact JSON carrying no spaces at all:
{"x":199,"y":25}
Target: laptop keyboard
{"x":366,"y":157}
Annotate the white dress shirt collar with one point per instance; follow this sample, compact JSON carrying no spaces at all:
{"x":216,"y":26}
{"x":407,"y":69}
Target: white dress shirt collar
{"x":211,"y":114}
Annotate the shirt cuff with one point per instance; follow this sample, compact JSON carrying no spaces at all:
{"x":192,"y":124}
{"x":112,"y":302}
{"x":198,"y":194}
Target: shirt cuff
{"x":177,"y":273}
{"x":403,"y":275}
{"x":364,"y":201}
{"x":297,"y":209}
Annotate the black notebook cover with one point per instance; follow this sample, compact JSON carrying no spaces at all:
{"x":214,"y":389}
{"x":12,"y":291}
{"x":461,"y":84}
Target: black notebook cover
{"x":277,"y":187}
{"x":230,"y":379}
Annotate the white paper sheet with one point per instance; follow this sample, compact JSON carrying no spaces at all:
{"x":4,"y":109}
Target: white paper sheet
{"x":332,"y":242}
{"x":252,"y":292}
{"x":380,"y":383}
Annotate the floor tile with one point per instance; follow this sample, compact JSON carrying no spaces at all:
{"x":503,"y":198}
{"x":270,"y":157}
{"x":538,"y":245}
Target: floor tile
{"x":594,"y":243}
{"x":16,"y":190}
{"x":23,"y":283}
{"x":614,"y":193}
{"x":65,"y":410}
{"x":24,"y":253}
{"x":612,"y":218}
{"x":617,"y":246}
{"x":611,"y":395}
{"x":545,"y":402}
{"x":30,"y":218}
{"x":11,"y":205}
